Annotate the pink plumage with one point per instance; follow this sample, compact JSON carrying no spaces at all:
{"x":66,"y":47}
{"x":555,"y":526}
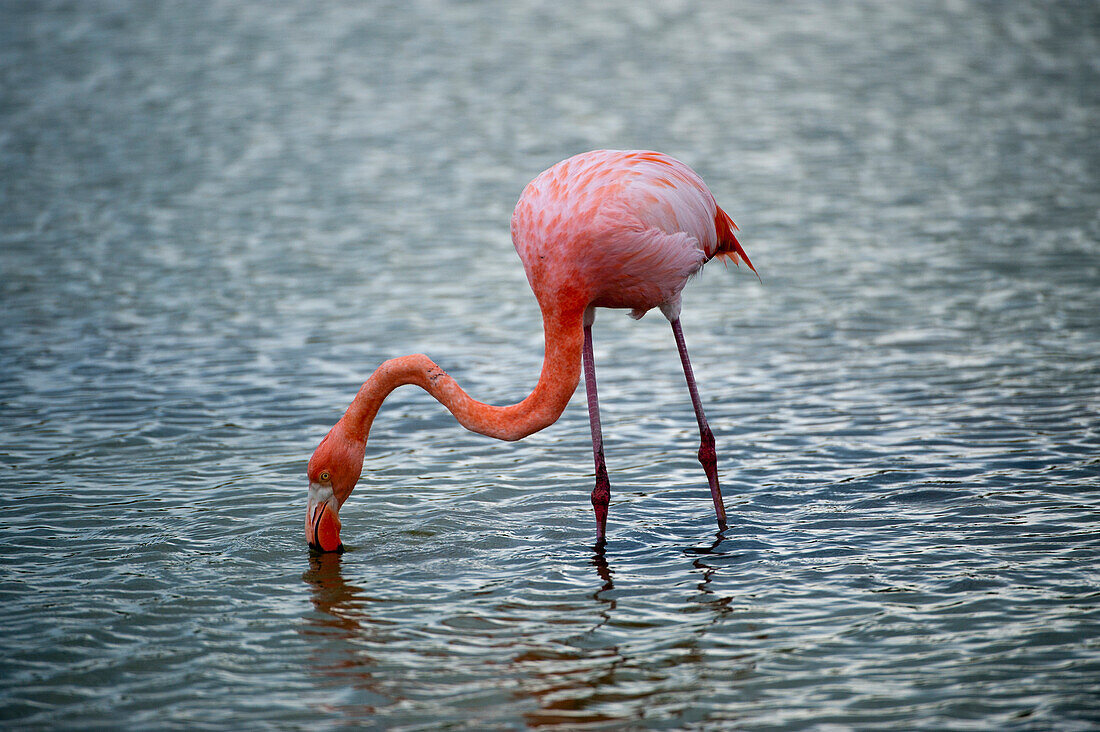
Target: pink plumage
{"x":629,"y":228}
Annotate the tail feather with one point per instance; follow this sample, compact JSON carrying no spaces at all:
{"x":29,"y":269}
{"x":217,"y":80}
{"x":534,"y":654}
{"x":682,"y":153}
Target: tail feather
{"x":728,"y":246}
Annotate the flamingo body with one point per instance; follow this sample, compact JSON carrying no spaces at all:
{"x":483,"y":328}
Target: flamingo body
{"x":625,"y":228}
{"x":608,"y":228}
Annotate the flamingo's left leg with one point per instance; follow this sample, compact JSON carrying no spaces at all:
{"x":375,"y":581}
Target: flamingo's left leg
{"x":601,"y":494}
{"x":707,"y":455}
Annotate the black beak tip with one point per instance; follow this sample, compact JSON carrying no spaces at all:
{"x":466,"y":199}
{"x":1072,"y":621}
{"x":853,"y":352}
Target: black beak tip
{"x":315,"y":548}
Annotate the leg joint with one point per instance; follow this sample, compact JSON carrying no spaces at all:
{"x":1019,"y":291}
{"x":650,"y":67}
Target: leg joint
{"x":601,"y":494}
{"x":707,"y":451}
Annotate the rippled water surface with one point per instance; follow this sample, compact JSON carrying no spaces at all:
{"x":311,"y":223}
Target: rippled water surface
{"x":216,"y":219}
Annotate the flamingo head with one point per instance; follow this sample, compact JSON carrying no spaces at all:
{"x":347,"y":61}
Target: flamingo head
{"x":333,"y":471}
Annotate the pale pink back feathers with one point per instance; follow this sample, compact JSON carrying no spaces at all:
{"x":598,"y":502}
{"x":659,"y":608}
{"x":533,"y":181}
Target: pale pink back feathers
{"x":623,"y":229}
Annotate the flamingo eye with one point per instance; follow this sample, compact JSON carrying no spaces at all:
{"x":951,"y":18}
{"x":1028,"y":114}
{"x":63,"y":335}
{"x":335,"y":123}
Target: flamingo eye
{"x":324,"y":476}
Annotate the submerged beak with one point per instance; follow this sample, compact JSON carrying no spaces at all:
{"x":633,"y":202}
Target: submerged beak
{"x":322,"y":520}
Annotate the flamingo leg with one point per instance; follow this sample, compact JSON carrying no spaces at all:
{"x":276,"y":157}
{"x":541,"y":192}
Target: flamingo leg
{"x":601,"y":494}
{"x":707,"y":454}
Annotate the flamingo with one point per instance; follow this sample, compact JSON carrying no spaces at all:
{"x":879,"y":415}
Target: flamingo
{"x":607,"y":228}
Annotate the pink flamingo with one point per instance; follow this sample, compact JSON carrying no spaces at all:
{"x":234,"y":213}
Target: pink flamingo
{"x":608,"y":228}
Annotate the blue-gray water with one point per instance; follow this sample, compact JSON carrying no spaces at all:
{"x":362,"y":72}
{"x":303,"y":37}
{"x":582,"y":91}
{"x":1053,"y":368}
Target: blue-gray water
{"x":216,"y":219}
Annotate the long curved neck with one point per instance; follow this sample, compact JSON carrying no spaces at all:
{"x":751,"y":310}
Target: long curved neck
{"x":561,"y":368}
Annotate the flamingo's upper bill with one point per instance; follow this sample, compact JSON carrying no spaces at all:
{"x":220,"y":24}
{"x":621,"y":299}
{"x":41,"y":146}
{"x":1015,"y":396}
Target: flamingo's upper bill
{"x":322,"y":523}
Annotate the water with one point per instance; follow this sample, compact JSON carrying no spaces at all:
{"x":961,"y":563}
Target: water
{"x":216,"y":219}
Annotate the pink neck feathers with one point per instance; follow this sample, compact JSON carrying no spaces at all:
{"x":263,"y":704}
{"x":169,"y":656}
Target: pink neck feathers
{"x":559,"y":378}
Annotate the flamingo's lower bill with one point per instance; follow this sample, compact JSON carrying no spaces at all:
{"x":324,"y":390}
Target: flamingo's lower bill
{"x":323,"y":527}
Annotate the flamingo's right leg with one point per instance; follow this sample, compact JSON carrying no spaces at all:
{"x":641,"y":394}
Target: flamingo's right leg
{"x":707,"y":454}
{"x":601,"y":494}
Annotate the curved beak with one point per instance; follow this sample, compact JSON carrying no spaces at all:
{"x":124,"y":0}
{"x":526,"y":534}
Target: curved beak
{"x":322,"y":520}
